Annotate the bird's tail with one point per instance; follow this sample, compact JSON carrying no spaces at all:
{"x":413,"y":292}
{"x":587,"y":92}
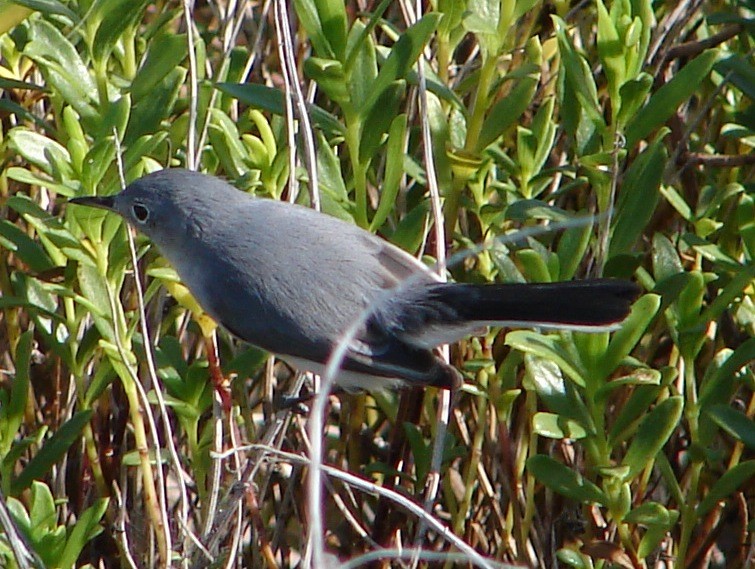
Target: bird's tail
{"x":440,"y":313}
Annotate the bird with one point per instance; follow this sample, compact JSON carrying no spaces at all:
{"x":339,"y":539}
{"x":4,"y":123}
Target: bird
{"x":291,"y":280}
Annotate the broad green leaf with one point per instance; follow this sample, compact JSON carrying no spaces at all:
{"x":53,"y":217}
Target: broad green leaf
{"x":395,"y":150}
{"x":571,"y":250}
{"x":564,"y":480}
{"x":555,"y":426}
{"x":651,"y":514}
{"x":379,"y":119}
{"x":611,"y":52}
{"x":632,"y":95}
{"x":40,"y":151}
{"x":332,"y":14}
{"x":329,"y":169}
{"x":638,"y":403}
{"x":639,"y":197}
{"x":726,"y":486}
{"x":664,"y":102}
{"x":87,"y":527}
{"x":309,"y":17}
{"x":165,"y":53}
{"x":271,"y":100}
{"x":666,"y":262}
{"x":734,"y":422}
{"x":112,"y":19}
{"x":578,"y":75}
{"x":13,"y":414}
{"x":410,"y":231}
{"x":53,"y":450}
{"x":364,"y":69}
{"x":63,"y":68}
{"x":625,"y":338}
{"x":560,"y":397}
{"x":535,"y":268}
{"x":548,"y":347}
{"x":147,"y":114}
{"x":574,"y":559}
{"x":507,"y":111}
{"x":404,"y":54}
{"x":717,"y":387}
{"x":652,"y":433}
{"x":226,"y":142}
{"x":24,"y":247}
{"x":329,"y":76}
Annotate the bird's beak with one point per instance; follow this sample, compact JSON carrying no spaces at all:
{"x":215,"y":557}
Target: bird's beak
{"x":102,"y":202}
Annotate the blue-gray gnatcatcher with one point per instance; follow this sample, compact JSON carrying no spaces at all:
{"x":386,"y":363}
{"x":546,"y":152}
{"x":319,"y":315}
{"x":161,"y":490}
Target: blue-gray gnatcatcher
{"x":292,"y":281}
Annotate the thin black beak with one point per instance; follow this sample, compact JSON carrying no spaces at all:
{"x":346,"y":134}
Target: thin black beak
{"x":103,"y":202}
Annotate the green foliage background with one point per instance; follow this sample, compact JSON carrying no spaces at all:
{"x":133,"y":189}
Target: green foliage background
{"x":615,"y":449}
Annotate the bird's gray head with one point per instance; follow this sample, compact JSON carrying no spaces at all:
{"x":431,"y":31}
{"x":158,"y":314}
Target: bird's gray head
{"x":168,"y":205}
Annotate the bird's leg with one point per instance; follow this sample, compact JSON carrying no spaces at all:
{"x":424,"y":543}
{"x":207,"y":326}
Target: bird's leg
{"x":222,"y":384}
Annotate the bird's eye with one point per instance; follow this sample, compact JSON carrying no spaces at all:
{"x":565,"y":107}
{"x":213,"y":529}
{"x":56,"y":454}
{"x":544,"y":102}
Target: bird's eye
{"x":141,"y":213}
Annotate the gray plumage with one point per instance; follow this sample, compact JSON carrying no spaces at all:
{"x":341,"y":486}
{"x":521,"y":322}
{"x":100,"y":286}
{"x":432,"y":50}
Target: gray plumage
{"x":292,"y":281}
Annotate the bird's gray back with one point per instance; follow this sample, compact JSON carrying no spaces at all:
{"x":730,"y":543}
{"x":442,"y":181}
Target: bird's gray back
{"x":280,"y":275}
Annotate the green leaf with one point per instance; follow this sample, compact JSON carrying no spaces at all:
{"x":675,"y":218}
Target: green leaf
{"x":309,"y":17}
{"x":632,"y":94}
{"x":329,"y":168}
{"x":113,"y":18}
{"x":24,"y":247}
{"x":42,"y":514}
{"x":638,"y":198}
{"x":363,"y":69}
{"x":87,"y":528}
{"x":611,"y":53}
{"x":379,"y":119}
{"x":726,"y":486}
{"x":564,"y":480}
{"x":534,"y":266}
{"x":625,"y":339}
{"x":664,"y":102}
{"x":734,"y":422}
{"x":329,"y":76}
{"x":716,"y":388}
{"x":12,"y":416}
{"x":332,"y":15}
{"x":548,"y":347}
{"x":166,"y":52}
{"x":578,"y":75}
{"x":507,"y":111}
{"x":45,"y":153}
{"x":226,"y":142}
{"x":560,"y":397}
{"x":49,"y":7}
{"x":53,"y":450}
{"x":395,"y":150}
{"x":651,"y":514}
{"x":653,"y":432}
{"x":403,"y":55}
{"x":271,"y":100}
{"x":62,"y":67}
{"x":147,"y":114}
{"x":410,"y":232}
{"x":571,"y":250}
{"x":740,"y":72}
{"x":555,"y":426}
{"x":638,"y":403}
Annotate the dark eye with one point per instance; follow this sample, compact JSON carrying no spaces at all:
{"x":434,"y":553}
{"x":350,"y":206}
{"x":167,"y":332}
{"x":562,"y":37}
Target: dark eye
{"x":141,"y":213}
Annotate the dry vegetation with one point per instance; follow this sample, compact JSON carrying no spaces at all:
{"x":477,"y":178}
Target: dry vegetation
{"x":632,"y":449}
